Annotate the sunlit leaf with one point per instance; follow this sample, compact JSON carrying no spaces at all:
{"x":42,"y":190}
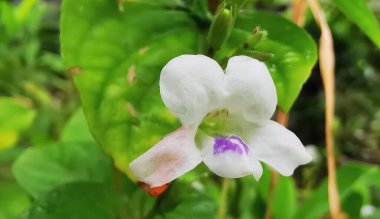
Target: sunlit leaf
{"x":15,"y":118}
{"x":116,"y":58}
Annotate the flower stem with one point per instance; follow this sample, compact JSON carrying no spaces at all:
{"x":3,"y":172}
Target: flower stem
{"x":223,"y":199}
{"x":327,"y":66}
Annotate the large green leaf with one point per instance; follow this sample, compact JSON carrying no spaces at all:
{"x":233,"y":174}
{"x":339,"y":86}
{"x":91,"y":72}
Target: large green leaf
{"x":358,"y":12}
{"x":79,"y":200}
{"x":116,"y":58}
{"x":352,"y":178}
{"x":294,"y":51}
{"x":40,"y":169}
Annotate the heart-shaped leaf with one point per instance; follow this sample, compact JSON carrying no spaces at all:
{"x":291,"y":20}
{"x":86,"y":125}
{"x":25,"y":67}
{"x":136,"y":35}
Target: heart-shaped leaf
{"x":116,"y":57}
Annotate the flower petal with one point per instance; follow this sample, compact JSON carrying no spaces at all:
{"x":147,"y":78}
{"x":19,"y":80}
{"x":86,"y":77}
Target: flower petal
{"x":191,"y":86}
{"x":250,"y":88}
{"x":173,"y":156}
{"x":230,"y":157}
{"x":277,"y":146}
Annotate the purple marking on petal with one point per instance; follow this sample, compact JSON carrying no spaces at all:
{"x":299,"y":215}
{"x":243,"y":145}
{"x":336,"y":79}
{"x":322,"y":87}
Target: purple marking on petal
{"x":241,"y":142}
{"x":232,"y":143}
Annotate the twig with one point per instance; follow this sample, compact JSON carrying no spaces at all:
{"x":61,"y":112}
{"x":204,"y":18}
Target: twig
{"x":298,"y":17}
{"x":282,"y":118}
{"x":298,"y":12}
{"x":327,"y":66}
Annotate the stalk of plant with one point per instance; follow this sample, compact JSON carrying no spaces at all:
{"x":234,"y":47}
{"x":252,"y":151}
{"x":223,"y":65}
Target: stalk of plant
{"x":298,"y":12}
{"x":327,"y":65}
{"x":282,"y":118}
{"x":298,"y":17}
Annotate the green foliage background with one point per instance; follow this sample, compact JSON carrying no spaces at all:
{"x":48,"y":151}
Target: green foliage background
{"x":79,"y":100}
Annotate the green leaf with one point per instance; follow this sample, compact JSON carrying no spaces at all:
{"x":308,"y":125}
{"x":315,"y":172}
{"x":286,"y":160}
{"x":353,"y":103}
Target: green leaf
{"x":247,"y":195}
{"x":76,"y":129}
{"x":284,"y":197}
{"x":13,"y":200}
{"x":351,"y":178}
{"x":184,"y":202}
{"x":15,"y":118}
{"x":40,"y":169}
{"x":294,"y":51}
{"x":358,"y":12}
{"x":353,"y":204}
{"x":117,"y":58}
{"x":76,"y":201}
{"x":14,"y":115}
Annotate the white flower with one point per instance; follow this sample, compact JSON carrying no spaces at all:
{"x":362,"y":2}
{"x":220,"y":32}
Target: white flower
{"x":236,"y":106}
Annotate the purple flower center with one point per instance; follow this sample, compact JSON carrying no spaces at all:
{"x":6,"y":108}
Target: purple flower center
{"x":232,"y":143}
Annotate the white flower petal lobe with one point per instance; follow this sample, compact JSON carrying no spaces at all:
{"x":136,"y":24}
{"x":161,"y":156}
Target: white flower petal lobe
{"x":250,"y":89}
{"x":170,"y":158}
{"x":277,"y":146}
{"x":230,"y":157}
{"x":191,"y":86}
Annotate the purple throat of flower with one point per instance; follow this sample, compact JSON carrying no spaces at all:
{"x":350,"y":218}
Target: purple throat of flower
{"x":231,"y":144}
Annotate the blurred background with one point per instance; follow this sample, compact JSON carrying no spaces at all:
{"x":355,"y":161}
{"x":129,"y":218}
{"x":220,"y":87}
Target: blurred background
{"x":39,"y":105}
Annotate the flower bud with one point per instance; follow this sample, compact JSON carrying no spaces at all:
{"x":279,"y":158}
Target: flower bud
{"x":220,"y":28}
{"x":257,"y":36}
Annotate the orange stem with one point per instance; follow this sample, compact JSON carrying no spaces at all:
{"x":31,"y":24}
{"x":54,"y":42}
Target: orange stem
{"x":298,"y":17}
{"x":327,"y":66}
{"x":282,"y":118}
{"x":298,"y":12}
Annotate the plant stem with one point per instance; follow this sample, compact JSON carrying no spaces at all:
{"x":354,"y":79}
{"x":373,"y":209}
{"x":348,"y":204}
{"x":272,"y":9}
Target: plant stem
{"x":223,"y":199}
{"x":298,"y":12}
{"x":282,"y":118}
{"x":327,"y":66}
{"x":298,"y":17}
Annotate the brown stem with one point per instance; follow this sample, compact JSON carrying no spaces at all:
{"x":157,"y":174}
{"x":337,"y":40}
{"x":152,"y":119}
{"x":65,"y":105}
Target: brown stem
{"x":282,"y":118}
{"x":272,"y":189}
{"x":298,"y":17}
{"x":298,"y":12}
{"x":327,"y":66}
